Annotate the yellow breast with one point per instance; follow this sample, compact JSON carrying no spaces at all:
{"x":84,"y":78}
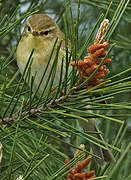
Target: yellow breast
{"x":40,"y":57}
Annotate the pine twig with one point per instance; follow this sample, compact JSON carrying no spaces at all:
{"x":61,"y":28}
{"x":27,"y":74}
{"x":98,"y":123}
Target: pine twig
{"x":34,"y":111}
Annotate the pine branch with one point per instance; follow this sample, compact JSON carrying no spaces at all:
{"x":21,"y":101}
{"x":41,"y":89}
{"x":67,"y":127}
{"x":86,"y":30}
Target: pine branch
{"x":34,"y":111}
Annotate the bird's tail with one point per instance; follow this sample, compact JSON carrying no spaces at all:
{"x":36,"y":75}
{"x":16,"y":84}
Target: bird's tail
{"x":104,"y":154}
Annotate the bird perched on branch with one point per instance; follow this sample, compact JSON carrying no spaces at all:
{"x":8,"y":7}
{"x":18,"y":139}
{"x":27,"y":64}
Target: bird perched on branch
{"x":40,"y":34}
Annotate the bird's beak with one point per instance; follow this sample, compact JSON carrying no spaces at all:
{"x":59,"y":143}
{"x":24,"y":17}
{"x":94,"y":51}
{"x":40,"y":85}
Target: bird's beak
{"x":35,"y":33}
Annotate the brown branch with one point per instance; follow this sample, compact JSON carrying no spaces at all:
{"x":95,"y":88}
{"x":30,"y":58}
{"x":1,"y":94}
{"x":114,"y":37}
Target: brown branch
{"x":36,"y":110}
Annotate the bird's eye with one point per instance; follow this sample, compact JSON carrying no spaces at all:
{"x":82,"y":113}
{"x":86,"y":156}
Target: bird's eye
{"x":29,"y":29}
{"x":46,"y":33}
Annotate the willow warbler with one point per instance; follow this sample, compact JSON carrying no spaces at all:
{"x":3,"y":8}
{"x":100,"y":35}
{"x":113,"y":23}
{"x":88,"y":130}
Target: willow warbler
{"x":40,"y":33}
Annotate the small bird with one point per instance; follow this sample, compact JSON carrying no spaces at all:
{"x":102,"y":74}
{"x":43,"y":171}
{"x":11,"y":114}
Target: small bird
{"x":40,"y":34}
